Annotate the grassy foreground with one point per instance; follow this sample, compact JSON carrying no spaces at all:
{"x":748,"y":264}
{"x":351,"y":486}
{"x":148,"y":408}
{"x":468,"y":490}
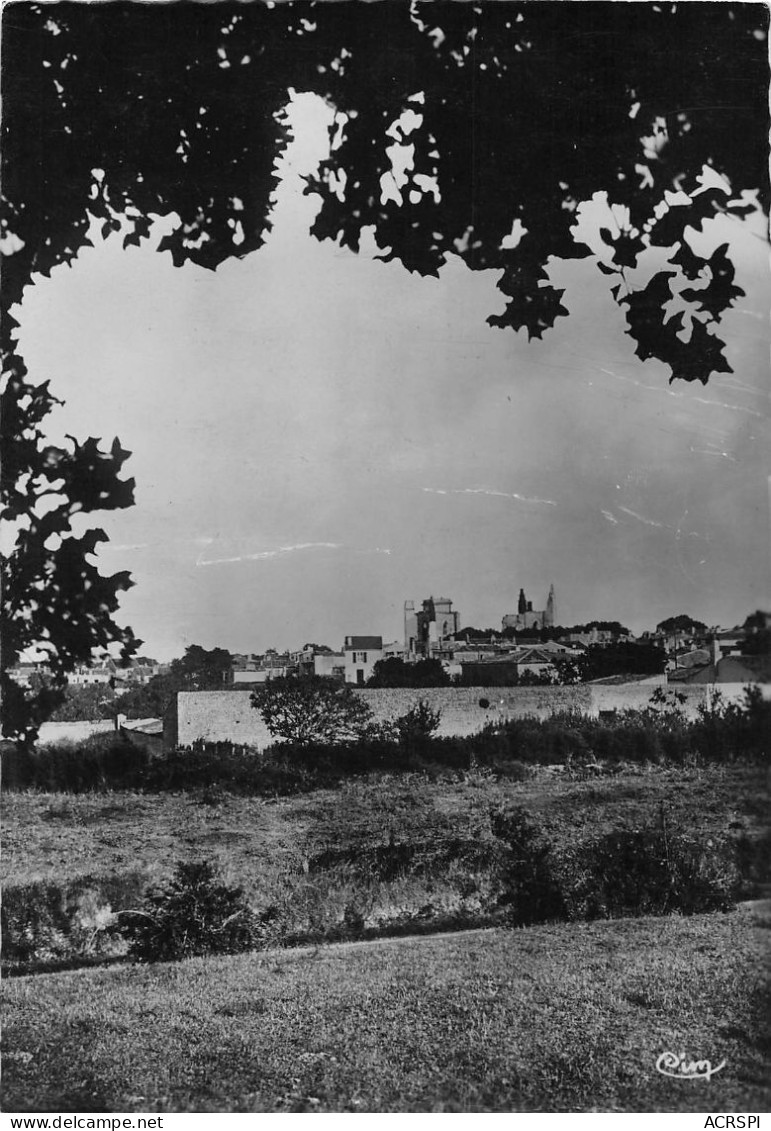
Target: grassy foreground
{"x":59,"y":836}
{"x":311,"y":861}
{"x":551,"y":1018}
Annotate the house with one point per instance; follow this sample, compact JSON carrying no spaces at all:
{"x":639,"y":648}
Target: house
{"x":254,"y":668}
{"x":101,"y":672}
{"x":698,"y":658}
{"x":319,"y":660}
{"x":728,"y":669}
{"x":23,"y":673}
{"x":361,"y":654}
{"x":727,"y":643}
{"x":510,"y":667}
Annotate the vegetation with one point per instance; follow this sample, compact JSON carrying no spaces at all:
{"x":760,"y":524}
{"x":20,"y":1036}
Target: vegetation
{"x":385,"y":854}
{"x":682,"y":623}
{"x":758,"y":643}
{"x":394,"y":672}
{"x":644,"y":871}
{"x":191,"y":914}
{"x":613,"y":626}
{"x":605,"y":81}
{"x":552,"y":1018}
{"x":505,"y":674}
{"x":312,"y":710}
{"x":600,"y":661}
{"x":320,"y":720}
{"x":87,"y":703}
{"x":199,"y":669}
{"x":416,"y":729}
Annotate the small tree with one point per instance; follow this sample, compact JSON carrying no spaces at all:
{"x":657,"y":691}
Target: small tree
{"x":312,"y":709}
{"x":191,"y":914}
{"x":416,"y":728}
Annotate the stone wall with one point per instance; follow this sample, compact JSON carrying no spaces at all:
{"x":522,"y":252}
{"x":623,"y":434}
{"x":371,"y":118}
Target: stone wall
{"x":635,"y":696}
{"x":215,"y":716}
{"x":73,"y":732}
{"x":461,"y":707}
{"x":218,"y":716}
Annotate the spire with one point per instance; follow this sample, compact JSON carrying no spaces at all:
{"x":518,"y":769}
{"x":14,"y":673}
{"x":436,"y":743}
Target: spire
{"x":550,"y":611}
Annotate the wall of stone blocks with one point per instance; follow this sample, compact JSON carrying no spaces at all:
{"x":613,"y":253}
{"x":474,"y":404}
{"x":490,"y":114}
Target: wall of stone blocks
{"x":461,"y":708}
{"x":217,"y":716}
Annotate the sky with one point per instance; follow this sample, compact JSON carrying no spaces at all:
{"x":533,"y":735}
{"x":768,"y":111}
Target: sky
{"x":317,"y":437}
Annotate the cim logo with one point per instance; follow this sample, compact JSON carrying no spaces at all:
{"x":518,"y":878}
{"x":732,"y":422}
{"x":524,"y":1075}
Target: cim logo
{"x":681,"y":1068}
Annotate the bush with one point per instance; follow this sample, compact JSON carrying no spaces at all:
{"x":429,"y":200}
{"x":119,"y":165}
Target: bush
{"x":637,"y":872}
{"x":627,"y":873}
{"x":50,"y":924}
{"x":727,"y":731}
{"x":531,"y":889}
{"x":416,"y":728}
{"x":190,"y":915}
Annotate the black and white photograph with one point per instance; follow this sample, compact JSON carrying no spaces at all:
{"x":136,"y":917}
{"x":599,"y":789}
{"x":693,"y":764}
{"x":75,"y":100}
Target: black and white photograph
{"x":386,"y":559}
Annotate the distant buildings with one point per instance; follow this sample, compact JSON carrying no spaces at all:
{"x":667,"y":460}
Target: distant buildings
{"x":320,"y":661}
{"x":427,"y":629}
{"x":511,"y":666}
{"x":528,"y":618}
{"x":354,"y":663}
{"x":253,"y":667}
{"x":102,"y":671}
{"x":432,"y":631}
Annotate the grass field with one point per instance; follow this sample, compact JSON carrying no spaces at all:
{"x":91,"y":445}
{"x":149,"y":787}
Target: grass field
{"x":313,"y":860}
{"x":61,"y":836}
{"x":549,"y":1018}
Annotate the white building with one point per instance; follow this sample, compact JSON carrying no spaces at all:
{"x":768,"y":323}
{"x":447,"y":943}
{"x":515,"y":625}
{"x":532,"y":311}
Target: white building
{"x":361,"y":654}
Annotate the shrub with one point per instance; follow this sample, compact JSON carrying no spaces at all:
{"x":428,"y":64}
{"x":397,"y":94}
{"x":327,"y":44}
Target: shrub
{"x":530,"y":889}
{"x":50,"y":924}
{"x":190,"y":915}
{"x":416,"y":728}
{"x":627,"y":873}
{"x":648,"y":872}
{"x":727,"y":731}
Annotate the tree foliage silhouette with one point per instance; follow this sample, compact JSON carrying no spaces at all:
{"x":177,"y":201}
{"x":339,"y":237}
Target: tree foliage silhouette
{"x":521,"y":112}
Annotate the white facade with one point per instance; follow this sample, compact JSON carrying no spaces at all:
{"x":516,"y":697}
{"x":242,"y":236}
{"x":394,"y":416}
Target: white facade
{"x":361,"y":654}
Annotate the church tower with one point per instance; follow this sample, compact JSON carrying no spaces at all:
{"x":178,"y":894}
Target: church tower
{"x":550,"y":611}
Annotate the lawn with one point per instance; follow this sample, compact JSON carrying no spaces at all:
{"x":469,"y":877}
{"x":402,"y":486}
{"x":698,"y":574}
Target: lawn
{"x":548,"y":1018}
